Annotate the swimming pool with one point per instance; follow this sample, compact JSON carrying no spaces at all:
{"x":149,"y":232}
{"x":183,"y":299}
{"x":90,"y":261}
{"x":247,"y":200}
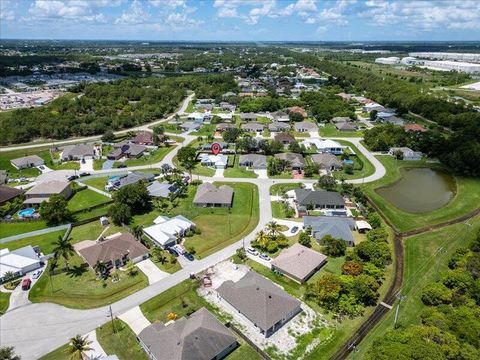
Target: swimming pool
{"x":26,"y":212}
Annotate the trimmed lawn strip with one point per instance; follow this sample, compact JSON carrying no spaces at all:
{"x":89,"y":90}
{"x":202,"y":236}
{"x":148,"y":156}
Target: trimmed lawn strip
{"x":329,"y":130}
{"x":45,"y":242}
{"x":424,"y":263}
{"x":122,"y":343}
{"x":238,"y":172}
{"x":97,"y":182}
{"x":465,"y":200}
{"x":167,"y":266}
{"x":280,"y":189}
{"x":154,"y":157}
{"x":84,"y":199}
{"x":57,"y":354}
{"x":16,"y":228}
{"x":4,"y":302}
{"x":199,"y":169}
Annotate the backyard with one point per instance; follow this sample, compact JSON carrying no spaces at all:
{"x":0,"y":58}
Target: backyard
{"x":45,"y":242}
{"x":361,"y":166}
{"x":84,"y":199}
{"x":15,"y":228}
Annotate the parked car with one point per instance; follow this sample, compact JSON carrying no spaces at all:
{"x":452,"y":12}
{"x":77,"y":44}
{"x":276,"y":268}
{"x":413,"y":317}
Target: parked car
{"x":252,"y":251}
{"x":84,"y":174}
{"x":36,"y":274}
{"x":83,"y":161}
{"x":265,"y":257}
{"x":179,"y":249}
{"x":41,"y":167}
{"x":72,"y":177}
{"x":294,"y":229}
{"x":188,"y":256}
{"x":121,"y":166}
{"x":172,"y":251}
{"x":26,"y":283}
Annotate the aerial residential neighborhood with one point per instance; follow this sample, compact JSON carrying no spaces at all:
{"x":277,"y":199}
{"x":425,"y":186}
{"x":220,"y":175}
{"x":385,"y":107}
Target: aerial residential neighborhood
{"x":276,"y":180}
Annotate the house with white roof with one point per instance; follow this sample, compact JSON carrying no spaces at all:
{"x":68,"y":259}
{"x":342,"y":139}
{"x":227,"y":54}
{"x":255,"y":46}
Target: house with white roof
{"x":18,"y":262}
{"x":219,"y":161}
{"x":197,"y":117}
{"x":324,"y":146}
{"x":167,"y":231}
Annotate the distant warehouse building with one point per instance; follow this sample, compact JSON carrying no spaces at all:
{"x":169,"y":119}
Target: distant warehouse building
{"x":459,"y":66}
{"x":393,"y":60}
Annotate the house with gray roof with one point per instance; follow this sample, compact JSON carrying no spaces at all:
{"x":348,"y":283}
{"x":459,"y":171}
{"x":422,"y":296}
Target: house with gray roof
{"x":327,"y":161}
{"x":295,"y":161}
{"x":345,"y":126}
{"x":208,"y":195}
{"x":198,"y":337}
{"x":298,"y":262}
{"x":280,"y":116}
{"x":248,"y":116}
{"x":8,"y":193}
{"x":253,"y":127}
{"x":27,"y":162}
{"x":306,"y":199}
{"x":259,"y":300}
{"x":77,"y":152}
{"x":190,"y":126}
{"x":254,"y":161}
{"x":276,"y":126}
{"x":339,"y":227}
{"x":131,"y":178}
{"x":126,"y":149}
{"x":44,"y":190}
{"x":305,"y":126}
{"x":164,"y":190}
{"x":224,"y":126}
{"x":284,"y":137}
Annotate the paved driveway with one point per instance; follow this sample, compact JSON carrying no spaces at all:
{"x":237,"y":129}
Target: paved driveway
{"x":18,"y":296}
{"x":262,"y":173}
{"x":87,"y":166}
{"x":152,"y":271}
{"x":135,"y":319}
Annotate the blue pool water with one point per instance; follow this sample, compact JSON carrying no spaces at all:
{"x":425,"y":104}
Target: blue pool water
{"x":114,"y":178}
{"x":26,"y":212}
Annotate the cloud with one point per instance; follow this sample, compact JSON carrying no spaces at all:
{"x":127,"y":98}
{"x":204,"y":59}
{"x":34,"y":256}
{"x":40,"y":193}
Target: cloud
{"x":136,"y":14}
{"x":67,"y":10}
{"x":7,"y":13}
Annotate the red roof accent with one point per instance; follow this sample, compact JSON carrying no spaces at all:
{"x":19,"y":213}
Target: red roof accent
{"x":414,"y":127}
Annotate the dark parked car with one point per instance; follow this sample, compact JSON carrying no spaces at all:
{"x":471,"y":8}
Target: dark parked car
{"x":26,"y":284}
{"x":72,"y":177}
{"x":121,"y":166}
{"x":188,"y":256}
{"x":172,"y":251}
{"x":84,"y":174}
{"x":294,"y":229}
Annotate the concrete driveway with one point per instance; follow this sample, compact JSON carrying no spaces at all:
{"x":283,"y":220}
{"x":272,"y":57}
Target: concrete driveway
{"x":152,"y":271}
{"x":87,"y":166}
{"x":262,"y":173}
{"x":135,"y":319}
{"x":18,"y":296}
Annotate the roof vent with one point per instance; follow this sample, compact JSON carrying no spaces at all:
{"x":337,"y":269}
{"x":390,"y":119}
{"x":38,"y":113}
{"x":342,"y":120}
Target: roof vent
{"x":258,"y":288}
{"x":269,"y":296}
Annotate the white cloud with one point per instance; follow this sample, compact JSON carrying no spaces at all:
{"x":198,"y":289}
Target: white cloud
{"x":68,"y":10}
{"x":177,"y":21}
{"x":6,"y":10}
{"x":170,"y":4}
{"x":136,"y":14}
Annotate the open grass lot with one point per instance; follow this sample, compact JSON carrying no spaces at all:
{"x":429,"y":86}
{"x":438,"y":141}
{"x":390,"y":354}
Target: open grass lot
{"x":84,"y":199}
{"x":123,"y":342}
{"x":219,"y":226}
{"x":15,"y":228}
{"x":97,"y":182}
{"x":78,"y":287}
{"x":44,"y":241}
{"x":467,"y":197}
{"x":361,"y":166}
{"x":238,"y":172}
{"x":91,"y":231}
{"x":329,"y":130}
{"x":4,"y":301}
{"x":154,"y":157}
{"x":199,"y":169}
{"x":57,"y":354}
{"x":426,"y":259}
{"x":280,"y":189}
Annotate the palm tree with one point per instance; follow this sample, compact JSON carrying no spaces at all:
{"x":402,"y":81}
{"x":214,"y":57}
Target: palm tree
{"x":63,"y":248}
{"x":137,"y":232}
{"x":273,"y":228}
{"x":262,"y":239}
{"x":100,"y":268}
{"x":165,"y":169}
{"x":77,"y":346}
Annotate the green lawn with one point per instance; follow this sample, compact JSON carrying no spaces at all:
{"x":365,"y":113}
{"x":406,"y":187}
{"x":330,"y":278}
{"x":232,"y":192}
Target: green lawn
{"x":426,"y":259}
{"x":4,"y":301}
{"x":99,"y":211}
{"x":329,"y":130}
{"x":199,"y":169}
{"x":57,"y":354}
{"x":123,"y":342}
{"x":238,"y":172}
{"x":154,"y":157}
{"x":219,"y":226}
{"x":361,"y":166}
{"x":92,"y":230}
{"x":467,"y":197}
{"x":78,"y":288}
{"x":205,"y":130}
{"x":280,"y":189}
{"x":86,"y":198}
{"x":15,"y":228}
{"x":44,"y":241}
{"x":97,"y":182}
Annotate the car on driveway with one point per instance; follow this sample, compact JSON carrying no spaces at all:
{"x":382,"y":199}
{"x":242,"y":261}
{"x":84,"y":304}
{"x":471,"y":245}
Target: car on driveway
{"x":36,"y":274}
{"x":41,"y":167}
{"x":188,"y":256}
{"x":72,"y":177}
{"x":252,"y":251}
{"x":121,"y":166}
{"x":26,"y":283}
{"x":294,"y":229}
{"x":172,"y":251}
{"x":265,"y":257}
{"x":84,"y":174}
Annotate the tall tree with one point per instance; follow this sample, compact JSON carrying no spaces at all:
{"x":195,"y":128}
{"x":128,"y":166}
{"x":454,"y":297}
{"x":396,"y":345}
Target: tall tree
{"x":187,"y":158}
{"x":63,"y":248}
{"x":77,"y":346}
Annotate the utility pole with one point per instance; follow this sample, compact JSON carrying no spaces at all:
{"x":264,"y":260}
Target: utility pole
{"x":111,"y":318}
{"x":400,"y":297}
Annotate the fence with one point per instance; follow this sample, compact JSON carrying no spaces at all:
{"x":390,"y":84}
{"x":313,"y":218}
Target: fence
{"x":262,"y":353}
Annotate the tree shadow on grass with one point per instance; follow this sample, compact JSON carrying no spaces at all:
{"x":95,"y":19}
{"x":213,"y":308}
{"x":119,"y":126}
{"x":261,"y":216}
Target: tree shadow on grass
{"x":77,"y":271}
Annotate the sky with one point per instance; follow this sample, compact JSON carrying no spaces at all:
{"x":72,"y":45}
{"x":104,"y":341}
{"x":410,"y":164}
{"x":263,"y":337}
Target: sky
{"x":242,"y":20}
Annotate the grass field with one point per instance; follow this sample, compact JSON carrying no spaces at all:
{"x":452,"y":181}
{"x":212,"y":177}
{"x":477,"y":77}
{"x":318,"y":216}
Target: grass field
{"x":329,"y":130}
{"x":199,"y":169}
{"x":4,"y":301}
{"x":78,"y":287}
{"x":280,"y":189}
{"x":97,"y":182}
{"x":15,"y":228}
{"x":238,"y":172}
{"x":154,"y":157}
{"x":467,"y":197}
{"x":426,"y":259}
{"x":84,"y":199}
{"x":219,"y":226}
{"x":44,"y":241}
{"x":123,"y":342}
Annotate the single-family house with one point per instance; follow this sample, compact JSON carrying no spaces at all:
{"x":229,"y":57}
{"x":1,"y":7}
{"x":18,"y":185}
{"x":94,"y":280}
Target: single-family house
{"x":392,"y":119}
{"x":284,"y":137}
{"x":44,"y":190}
{"x":267,"y":306}
{"x":126,"y":149}
{"x":143,"y":138}
{"x":18,"y":262}
{"x":225,"y":117}
{"x":190,"y":126}
{"x":339,"y":119}
{"x":128,"y":179}
{"x":253,"y":127}
{"x":228,"y":94}
{"x":8,"y":193}
{"x":208,"y":195}
{"x":196,"y":117}
{"x":167,"y":231}
{"x":27,"y":162}
{"x":115,"y":251}
{"x":324,"y":146}
{"x":295,"y":161}
{"x":298,"y":262}
{"x":219,"y":161}
{"x":327,"y":161}
{"x":199,"y":337}
{"x":248,"y":116}
{"x":306,"y":199}
{"x":372,"y":106}
{"x":206,"y":107}
{"x":345,"y":126}
{"x":414,"y":127}
{"x":254,"y":161}
{"x":280,"y":116}
{"x":225,"y":106}
{"x":298,"y":110}
{"x":339,"y":227}
{"x":77,"y":152}
{"x":276,"y":127}
{"x":164,"y":190}
{"x":407,"y":153}
{"x":224,"y":126}
{"x":305,"y":126}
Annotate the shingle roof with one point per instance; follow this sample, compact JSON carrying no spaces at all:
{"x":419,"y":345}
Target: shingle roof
{"x":248,"y":116}
{"x":143,"y":137}
{"x":7,"y":193}
{"x":260,"y":300}
{"x":318,"y":197}
{"x":278,"y":126}
{"x":113,"y":249}
{"x":336,"y":226}
{"x":200,"y":337}
{"x":253,"y":126}
{"x":48,"y":187}
{"x":208,"y":193}
{"x":77,"y":151}
{"x":305,"y":125}
{"x":34,"y":160}
{"x":295,"y":160}
{"x":326,"y":159}
{"x":298,"y":260}
{"x":284,"y":137}
{"x":256,"y":160}
{"x":345,"y":126}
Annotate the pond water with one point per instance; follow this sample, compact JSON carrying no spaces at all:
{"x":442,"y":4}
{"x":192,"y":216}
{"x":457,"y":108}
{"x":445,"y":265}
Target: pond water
{"x":420,"y":190}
